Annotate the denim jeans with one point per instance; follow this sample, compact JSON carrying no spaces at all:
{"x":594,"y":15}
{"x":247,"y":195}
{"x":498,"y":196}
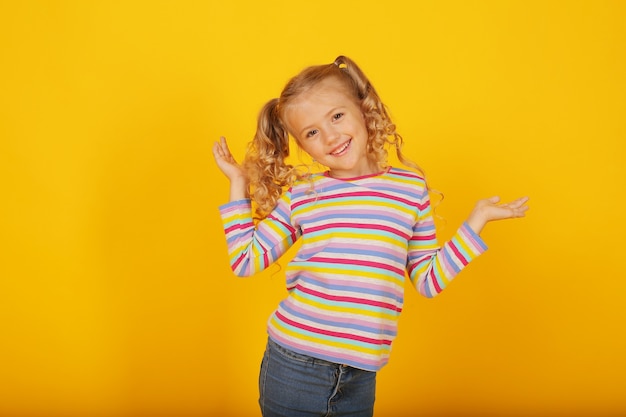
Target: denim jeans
{"x":295,"y":385}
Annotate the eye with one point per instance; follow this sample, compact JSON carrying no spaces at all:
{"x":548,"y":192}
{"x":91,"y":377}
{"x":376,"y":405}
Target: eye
{"x":337,"y":116}
{"x":311,"y":133}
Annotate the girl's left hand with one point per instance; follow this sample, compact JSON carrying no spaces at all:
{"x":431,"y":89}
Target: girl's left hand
{"x":488,"y":210}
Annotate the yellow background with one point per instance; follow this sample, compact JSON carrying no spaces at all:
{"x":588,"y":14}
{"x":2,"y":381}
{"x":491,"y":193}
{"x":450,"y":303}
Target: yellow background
{"x":115,"y":294}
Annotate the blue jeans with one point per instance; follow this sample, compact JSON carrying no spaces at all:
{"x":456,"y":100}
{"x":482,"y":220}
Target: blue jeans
{"x":295,"y":385}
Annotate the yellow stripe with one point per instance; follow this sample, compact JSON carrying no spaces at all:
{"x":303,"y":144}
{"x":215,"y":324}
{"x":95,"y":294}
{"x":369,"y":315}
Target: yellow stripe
{"x":256,"y":258}
{"x":395,"y":241}
{"x":350,"y":310}
{"x":329,"y":270}
{"x":299,"y":336}
{"x":439,"y":273}
{"x":466,"y":247}
{"x":235,"y":218}
{"x":280,"y":233}
{"x":321,"y":204}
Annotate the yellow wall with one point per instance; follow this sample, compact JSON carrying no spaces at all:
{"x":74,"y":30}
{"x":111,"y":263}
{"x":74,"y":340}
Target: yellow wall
{"x":115,"y":294}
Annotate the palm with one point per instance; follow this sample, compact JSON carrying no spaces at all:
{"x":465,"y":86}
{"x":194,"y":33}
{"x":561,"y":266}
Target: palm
{"x":489,"y":209}
{"x":494,"y":211}
{"x":226,"y":162}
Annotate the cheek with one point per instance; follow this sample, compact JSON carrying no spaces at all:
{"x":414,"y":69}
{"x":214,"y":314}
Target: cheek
{"x":315,"y":151}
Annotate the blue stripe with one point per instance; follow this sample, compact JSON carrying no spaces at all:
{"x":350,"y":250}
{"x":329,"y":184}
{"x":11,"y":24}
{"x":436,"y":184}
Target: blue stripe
{"x":332,"y":339}
{"x":339,"y":304}
{"x":238,"y":221}
{"x":374,"y":330}
{"x":358,"y":290}
{"x":420,"y":228}
{"x":451,"y":261}
{"x":358,"y":232}
{"x":346,"y":269}
{"x":457,"y":245}
{"x":377,"y":217}
{"x":362,"y":252}
{"x":281,"y":214}
{"x":236,"y":236}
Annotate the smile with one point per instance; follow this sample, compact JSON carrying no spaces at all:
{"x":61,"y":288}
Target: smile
{"x":342,"y":149}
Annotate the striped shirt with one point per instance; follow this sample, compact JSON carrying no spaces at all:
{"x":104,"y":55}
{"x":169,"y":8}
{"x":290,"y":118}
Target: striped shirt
{"x":361,"y":238}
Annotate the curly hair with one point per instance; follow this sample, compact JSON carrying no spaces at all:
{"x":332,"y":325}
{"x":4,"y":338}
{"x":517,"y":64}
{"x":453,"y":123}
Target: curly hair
{"x":265,"y":164}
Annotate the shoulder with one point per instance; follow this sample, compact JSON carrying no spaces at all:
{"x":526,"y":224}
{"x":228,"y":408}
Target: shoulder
{"x":306,"y":181}
{"x":405,"y":176}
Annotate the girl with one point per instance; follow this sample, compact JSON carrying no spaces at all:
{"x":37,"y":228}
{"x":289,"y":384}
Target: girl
{"x":364,"y":226}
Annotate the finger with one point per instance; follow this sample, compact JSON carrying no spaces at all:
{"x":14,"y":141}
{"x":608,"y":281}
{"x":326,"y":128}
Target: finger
{"x":520,"y":211}
{"x":225,"y":146}
{"x":518,"y":203}
{"x":217,"y":151}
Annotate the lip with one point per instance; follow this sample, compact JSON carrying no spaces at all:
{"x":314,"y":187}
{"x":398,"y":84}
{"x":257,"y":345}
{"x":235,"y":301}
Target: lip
{"x":340,"y":150}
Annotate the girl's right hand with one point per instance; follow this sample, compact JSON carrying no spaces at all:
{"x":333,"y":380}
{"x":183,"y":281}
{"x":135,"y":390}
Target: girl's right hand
{"x":234,"y":172}
{"x":226,"y":162}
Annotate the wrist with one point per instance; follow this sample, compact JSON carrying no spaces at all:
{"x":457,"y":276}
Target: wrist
{"x":476,"y":223}
{"x":239,"y":189}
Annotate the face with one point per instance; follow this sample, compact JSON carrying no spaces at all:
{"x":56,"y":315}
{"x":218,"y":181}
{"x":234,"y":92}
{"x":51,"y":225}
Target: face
{"x":329,"y":126}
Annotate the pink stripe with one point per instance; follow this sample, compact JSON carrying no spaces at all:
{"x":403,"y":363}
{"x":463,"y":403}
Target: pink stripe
{"x":267,"y":237}
{"x":359,"y":226}
{"x":419,"y":238}
{"x":407,"y":174}
{"x":433,"y":279}
{"x":355,"y":194}
{"x":353,"y":300}
{"x":332,"y":334}
{"x":389,"y":250}
{"x":468,"y":237}
{"x":448,"y":269}
{"x":375,"y":363}
{"x":339,"y":213}
{"x":341,"y":320}
{"x":425,"y":259}
{"x":395,"y":289}
{"x":458,"y":254}
{"x":344,"y":261}
{"x":243,"y":208}
{"x":238,"y":227}
{"x":238,"y":261}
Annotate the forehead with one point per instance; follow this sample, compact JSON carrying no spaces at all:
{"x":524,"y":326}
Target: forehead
{"x":330,"y":92}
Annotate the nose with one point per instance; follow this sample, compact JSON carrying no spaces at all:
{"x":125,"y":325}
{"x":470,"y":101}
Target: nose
{"x":331,"y":135}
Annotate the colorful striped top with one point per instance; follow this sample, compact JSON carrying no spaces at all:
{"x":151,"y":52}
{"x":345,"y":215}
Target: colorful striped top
{"x":360,"y":238}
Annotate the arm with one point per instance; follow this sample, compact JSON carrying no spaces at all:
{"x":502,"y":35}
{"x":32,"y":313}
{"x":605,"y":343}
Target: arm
{"x":251,"y":248}
{"x":432,"y":268}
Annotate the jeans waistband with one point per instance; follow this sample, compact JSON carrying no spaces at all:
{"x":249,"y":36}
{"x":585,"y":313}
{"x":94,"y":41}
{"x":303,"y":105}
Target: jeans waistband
{"x":300,"y":356}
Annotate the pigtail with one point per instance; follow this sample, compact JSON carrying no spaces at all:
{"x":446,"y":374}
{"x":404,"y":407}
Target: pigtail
{"x":382,"y":131}
{"x":265,"y":160}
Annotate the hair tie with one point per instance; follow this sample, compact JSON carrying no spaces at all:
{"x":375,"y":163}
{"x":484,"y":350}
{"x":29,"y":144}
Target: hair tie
{"x":339,"y":62}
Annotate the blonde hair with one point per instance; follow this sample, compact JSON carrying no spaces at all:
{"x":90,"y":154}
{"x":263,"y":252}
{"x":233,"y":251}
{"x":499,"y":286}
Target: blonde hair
{"x":265,"y":164}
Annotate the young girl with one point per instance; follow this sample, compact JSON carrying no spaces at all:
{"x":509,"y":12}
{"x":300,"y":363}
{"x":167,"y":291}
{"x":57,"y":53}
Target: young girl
{"x":364,"y":226}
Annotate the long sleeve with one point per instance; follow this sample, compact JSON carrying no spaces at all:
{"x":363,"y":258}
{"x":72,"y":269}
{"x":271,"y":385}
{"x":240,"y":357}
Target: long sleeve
{"x":252,"y":248}
{"x":345,"y":285}
{"x":430,"y":267}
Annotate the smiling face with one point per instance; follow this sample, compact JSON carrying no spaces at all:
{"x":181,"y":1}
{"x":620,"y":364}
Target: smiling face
{"x":328,"y":124}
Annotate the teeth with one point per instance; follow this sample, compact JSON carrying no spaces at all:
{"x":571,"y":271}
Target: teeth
{"x":343,"y":148}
